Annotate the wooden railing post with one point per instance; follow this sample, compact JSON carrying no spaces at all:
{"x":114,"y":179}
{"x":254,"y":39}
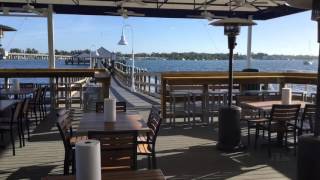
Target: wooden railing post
{"x":156,"y":84}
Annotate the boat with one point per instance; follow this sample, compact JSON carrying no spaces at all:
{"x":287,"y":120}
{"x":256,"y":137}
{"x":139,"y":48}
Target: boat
{"x":306,"y":62}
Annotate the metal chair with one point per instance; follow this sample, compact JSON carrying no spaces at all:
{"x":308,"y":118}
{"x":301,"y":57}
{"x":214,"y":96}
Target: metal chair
{"x":12,"y":125}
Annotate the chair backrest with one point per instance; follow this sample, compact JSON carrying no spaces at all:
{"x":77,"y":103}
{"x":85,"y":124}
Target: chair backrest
{"x":217,"y":99}
{"x":120,"y":106}
{"x":309,"y":114}
{"x":118,"y":149}
{"x":24,"y":109}
{"x":43,"y":93}
{"x":37,"y":95}
{"x":65,"y":128}
{"x":16,"y":113}
{"x":282,"y":114}
{"x":154,"y":122}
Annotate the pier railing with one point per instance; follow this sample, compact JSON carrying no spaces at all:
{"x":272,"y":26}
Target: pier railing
{"x":146,"y":82}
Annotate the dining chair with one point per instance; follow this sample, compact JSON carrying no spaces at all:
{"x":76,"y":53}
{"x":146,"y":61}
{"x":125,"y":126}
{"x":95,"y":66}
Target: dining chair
{"x":12,"y":125}
{"x":147,"y":144}
{"x":43,"y":101}
{"x":24,"y":120}
{"x":279,"y":122}
{"x":64,"y":125}
{"x":306,"y":122}
{"x":34,"y":105}
{"x":121,"y":106}
{"x":118,"y":149}
{"x":215,"y":101}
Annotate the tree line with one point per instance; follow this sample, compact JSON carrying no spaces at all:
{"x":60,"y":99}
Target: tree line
{"x":179,"y":56}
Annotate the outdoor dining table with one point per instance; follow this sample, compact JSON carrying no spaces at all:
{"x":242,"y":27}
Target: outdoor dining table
{"x":154,"y":174}
{"x":125,"y":121}
{"x":267,"y":105}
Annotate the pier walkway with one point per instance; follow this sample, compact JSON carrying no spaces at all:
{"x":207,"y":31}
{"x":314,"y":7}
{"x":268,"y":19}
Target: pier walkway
{"x":134,"y":100}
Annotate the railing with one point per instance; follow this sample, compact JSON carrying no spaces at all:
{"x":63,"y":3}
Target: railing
{"x":145,"y":82}
{"x":61,"y":78}
{"x":212,"y":81}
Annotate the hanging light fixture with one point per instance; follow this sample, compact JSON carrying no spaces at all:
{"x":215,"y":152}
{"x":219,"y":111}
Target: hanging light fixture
{"x":123,"y":41}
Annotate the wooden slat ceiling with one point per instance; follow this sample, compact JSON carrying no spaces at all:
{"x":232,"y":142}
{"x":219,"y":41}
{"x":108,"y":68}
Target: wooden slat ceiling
{"x":260,"y":9}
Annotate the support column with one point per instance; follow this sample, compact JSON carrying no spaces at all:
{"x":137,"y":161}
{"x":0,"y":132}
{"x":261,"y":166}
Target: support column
{"x":249,"y":45}
{"x":51,"y":55}
{"x":51,"y":51}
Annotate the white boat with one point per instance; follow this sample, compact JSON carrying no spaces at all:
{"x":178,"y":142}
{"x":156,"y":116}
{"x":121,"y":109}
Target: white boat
{"x":306,"y":62}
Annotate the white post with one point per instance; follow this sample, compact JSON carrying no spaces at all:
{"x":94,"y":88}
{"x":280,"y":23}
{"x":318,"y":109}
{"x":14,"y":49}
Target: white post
{"x":51,"y":55}
{"x":133,"y":86}
{"x":52,"y":64}
{"x":249,"y":45}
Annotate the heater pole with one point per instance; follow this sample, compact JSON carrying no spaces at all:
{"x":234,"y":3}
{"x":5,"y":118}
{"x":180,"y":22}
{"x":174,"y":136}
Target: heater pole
{"x":231,"y":43}
{"x":317,"y":120}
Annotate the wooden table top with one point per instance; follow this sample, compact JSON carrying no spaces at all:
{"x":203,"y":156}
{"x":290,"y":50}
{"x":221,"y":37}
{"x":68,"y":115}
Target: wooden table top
{"x":93,"y":121}
{"x":154,"y":174}
{"x":267,"y":105}
{"x":4,"y":104}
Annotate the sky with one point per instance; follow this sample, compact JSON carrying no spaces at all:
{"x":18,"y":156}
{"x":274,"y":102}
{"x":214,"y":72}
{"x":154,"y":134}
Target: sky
{"x":294,"y":34}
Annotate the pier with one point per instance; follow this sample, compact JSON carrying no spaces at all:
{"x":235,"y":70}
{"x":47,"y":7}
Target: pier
{"x":39,"y":56}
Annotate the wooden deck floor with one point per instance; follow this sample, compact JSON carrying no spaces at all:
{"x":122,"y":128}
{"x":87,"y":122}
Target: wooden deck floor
{"x":183,"y":152}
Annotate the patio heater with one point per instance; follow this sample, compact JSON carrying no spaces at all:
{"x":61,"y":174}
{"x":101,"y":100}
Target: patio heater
{"x":3,"y":29}
{"x":309,"y":145}
{"x":229,"y":116}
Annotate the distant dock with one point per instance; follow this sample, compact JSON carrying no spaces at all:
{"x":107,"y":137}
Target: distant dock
{"x":38,"y":56}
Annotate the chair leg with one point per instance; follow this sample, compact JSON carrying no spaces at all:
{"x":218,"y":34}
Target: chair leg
{"x":256,"y":137}
{"x":154,"y":161}
{"x":20,"y":135}
{"x":28,"y":128}
{"x":12,"y":142}
{"x":35,"y":114}
{"x":295,"y":141}
{"x":149,"y":162}
{"x":248,"y":133}
{"x":269,"y":143}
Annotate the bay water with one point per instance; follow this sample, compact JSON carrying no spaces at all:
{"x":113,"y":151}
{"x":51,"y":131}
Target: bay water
{"x":179,"y":66}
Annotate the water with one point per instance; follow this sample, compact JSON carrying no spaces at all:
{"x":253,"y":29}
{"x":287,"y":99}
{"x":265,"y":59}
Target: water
{"x":188,"y":65}
{"x":178,"y":65}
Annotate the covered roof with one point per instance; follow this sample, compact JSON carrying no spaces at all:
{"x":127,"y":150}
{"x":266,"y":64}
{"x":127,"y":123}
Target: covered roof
{"x":260,"y":9}
{"x":99,"y":53}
